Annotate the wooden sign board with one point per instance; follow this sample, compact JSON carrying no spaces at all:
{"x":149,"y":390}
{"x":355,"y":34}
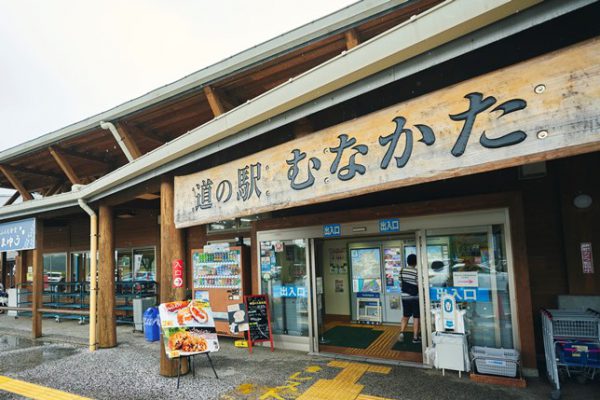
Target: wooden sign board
{"x":545,"y":108}
{"x":259,"y":319}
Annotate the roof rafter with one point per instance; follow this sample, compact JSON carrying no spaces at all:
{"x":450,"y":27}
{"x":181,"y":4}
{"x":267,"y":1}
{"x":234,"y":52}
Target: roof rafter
{"x":16,"y":182}
{"x":128,"y":141}
{"x":64,"y":165}
{"x":352,"y":38}
{"x":214,"y":100}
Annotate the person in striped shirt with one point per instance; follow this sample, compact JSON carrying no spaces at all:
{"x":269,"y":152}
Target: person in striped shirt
{"x":410,"y":298}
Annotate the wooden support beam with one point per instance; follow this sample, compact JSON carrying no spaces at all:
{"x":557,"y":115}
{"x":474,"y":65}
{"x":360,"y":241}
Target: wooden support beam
{"x":53,"y":189}
{"x":8,"y":173}
{"x":214,"y":101}
{"x":352,"y":38}
{"x":128,"y":141}
{"x":38,"y":280}
{"x":64,"y":165}
{"x":107,"y":330}
{"x":302,"y":127}
{"x":3,"y":270}
{"x":172,"y":247}
{"x":12,"y":198}
{"x":21,"y":268}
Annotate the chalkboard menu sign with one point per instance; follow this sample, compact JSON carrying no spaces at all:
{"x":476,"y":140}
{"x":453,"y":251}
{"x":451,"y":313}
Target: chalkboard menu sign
{"x":259,"y":319}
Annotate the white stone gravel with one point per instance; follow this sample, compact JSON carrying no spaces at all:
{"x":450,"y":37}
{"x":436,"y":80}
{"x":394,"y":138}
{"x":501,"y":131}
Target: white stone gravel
{"x":131,"y":371}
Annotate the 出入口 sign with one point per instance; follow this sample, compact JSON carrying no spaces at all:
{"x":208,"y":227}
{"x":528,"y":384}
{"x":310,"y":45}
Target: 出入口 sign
{"x":543,"y":108}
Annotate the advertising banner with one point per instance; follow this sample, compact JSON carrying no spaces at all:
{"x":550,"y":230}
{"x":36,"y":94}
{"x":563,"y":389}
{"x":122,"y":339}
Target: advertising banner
{"x":188,"y":328}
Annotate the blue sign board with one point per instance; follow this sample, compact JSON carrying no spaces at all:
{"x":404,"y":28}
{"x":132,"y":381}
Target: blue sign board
{"x":289,"y":291}
{"x":17,"y":235}
{"x":332,"y":230}
{"x":389,"y":225}
{"x":462,"y":294}
{"x":370,"y":295}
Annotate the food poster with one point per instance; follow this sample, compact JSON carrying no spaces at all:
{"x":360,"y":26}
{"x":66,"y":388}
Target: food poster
{"x":238,"y":318}
{"x":392,"y":258}
{"x":188,"y":328}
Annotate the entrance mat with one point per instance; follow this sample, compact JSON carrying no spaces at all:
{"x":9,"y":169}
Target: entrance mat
{"x":350,"y":336}
{"x":407,"y":344}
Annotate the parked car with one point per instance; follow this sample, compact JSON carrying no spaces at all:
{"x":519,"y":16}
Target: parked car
{"x":53,"y":280}
{"x":147,"y":276}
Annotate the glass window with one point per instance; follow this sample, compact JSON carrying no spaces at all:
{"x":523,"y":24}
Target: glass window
{"x":136,"y":265}
{"x":473,"y":267}
{"x":55,"y":269}
{"x":80,"y":264}
{"x":144,"y":266}
{"x":285,"y":279}
{"x":123,"y":268}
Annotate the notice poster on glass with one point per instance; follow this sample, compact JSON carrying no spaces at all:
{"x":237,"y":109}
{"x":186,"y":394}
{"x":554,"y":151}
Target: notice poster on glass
{"x":338,"y":261}
{"x":188,"y":328}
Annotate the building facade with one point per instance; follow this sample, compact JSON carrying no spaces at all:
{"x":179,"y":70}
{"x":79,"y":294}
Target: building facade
{"x":466,"y":134}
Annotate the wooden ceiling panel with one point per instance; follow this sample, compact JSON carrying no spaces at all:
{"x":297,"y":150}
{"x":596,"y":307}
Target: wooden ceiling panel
{"x":191,"y":100}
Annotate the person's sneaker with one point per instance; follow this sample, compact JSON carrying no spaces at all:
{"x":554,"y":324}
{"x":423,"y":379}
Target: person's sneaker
{"x":401,"y":337}
{"x":416,"y":340}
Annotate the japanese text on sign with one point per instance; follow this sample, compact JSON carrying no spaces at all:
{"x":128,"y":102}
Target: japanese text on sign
{"x":17,"y":235}
{"x":474,"y":127}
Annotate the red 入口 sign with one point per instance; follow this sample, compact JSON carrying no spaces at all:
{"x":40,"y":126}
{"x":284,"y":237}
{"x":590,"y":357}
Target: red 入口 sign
{"x":177,"y":274}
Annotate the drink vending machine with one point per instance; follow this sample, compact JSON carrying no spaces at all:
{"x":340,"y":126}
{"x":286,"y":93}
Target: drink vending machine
{"x":222,"y":277}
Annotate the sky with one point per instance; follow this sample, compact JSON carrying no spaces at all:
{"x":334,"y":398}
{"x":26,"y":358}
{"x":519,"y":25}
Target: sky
{"x":62,"y":61}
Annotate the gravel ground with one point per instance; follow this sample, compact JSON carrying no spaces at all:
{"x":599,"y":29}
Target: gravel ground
{"x":131,"y":371}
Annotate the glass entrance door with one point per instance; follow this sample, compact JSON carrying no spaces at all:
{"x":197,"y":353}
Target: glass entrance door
{"x":471,"y":264}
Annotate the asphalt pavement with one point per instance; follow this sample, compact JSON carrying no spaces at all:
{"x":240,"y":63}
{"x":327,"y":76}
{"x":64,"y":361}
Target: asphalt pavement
{"x":61,"y":360}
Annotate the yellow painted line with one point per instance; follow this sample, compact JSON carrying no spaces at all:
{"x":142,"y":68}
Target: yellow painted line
{"x":33,"y":391}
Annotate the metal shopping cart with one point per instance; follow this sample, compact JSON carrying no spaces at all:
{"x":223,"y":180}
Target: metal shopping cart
{"x":571,"y":343}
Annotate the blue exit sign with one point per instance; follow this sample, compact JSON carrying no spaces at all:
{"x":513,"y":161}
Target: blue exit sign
{"x":332,"y":230}
{"x":389,"y":225}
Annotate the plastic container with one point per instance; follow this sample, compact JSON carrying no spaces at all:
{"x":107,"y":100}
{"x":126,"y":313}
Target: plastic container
{"x":493,"y":361}
{"x":151,"y":324}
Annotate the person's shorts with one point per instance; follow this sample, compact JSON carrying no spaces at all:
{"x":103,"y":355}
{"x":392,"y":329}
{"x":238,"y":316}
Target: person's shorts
{"x":410,"y":308}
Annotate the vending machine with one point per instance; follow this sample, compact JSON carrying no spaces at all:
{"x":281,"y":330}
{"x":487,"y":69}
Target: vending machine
{"x":221,"y":275}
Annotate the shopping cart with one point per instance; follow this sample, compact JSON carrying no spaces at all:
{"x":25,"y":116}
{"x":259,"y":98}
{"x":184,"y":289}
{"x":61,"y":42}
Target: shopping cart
{"x":571,"y":343}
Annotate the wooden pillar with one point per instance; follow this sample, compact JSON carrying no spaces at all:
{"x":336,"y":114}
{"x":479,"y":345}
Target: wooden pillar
{"x":172,"y":247}
{"x":106,"y":321}
{"x":38,"y":279}
{"x":3,"y":269}
{"x":21,"y":268}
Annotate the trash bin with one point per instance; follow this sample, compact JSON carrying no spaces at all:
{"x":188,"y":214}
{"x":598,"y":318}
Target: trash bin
{"x":151,"y":324}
